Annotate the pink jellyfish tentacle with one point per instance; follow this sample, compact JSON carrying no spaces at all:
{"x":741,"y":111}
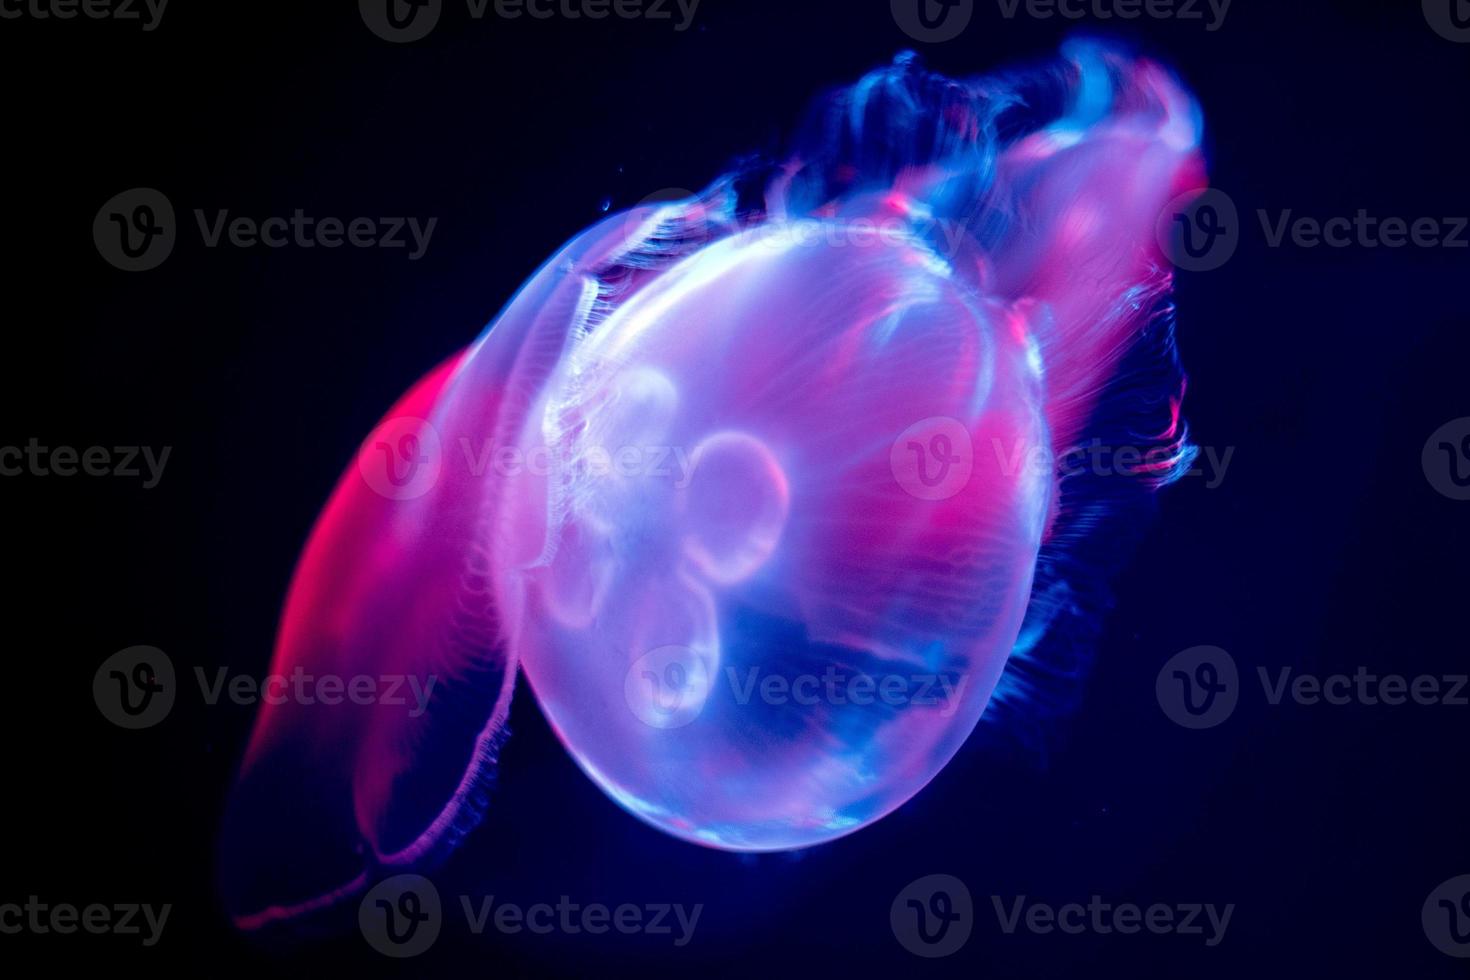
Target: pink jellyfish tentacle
{"x":397,"y":584}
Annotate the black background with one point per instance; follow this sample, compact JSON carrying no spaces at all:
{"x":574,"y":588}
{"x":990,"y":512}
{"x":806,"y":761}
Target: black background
{"x":1325,"y":547}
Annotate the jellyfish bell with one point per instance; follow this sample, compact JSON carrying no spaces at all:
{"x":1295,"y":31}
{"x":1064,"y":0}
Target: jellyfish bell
{"x":789,"y":553}
{"x":793,"y":638}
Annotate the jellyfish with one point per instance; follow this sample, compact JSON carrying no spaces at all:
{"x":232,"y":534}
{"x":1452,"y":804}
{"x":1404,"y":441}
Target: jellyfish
{"x":772,"y":506}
